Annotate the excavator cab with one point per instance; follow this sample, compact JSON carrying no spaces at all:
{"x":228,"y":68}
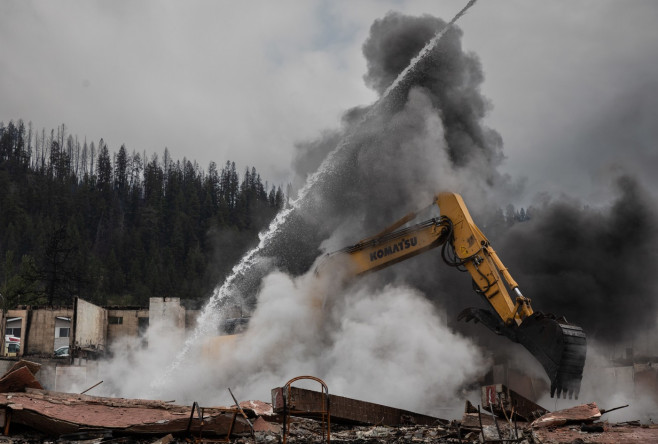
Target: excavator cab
{"x":558,"y":345}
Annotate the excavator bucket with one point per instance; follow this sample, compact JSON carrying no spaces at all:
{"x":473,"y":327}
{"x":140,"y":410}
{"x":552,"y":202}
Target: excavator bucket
{"x":559,"y":346}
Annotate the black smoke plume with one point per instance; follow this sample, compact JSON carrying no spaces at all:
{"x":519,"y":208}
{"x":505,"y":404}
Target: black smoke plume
{"x":449,"y":79}
{"x":594,"y":266}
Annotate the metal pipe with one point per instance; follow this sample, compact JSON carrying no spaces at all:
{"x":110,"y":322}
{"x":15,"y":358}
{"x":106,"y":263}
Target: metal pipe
{"x":95,"y":385}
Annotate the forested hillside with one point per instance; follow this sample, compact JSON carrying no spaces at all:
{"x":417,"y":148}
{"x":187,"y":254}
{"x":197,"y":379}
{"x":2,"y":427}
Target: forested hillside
{"x":118,"y":227}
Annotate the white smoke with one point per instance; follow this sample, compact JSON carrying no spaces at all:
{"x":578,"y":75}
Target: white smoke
{"x":388,"y":346}
{"x":610,"y":385}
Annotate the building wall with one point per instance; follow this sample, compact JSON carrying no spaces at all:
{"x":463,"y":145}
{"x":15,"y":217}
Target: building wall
{"x":90,"y":325}
{"x":167,"y":311}
{"x":125,"y":322}
{"x":41,"y":333}
{"x":95,"y":327}
{"x":23,"y":315}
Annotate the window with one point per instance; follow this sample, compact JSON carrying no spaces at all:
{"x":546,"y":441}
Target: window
{"x":64,"y":332}
{"x":142,"y":326}
{"x":13,"y":331}
{"x":115,"y":320}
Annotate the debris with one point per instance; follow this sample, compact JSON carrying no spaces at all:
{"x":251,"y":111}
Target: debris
{"x":164,"y":440}
{"x":93,"y":386}
{"x":308,"y":430}
{"x":351,"y":411}
{"x":262,"y":425}
{"x":244,"y":415}
{"x":34,"y":367}
{"x":257,"y":408}
{"x":580,"y":413}
{"x":18,"y":380}
{"x":591,"y":428}
{"x":78,"y":417}
{"x":471,"y":421}
{"x":603,"y":411}
{"x":611,"y":434}
{"x":57,"y":414}
{"x":508,"y":404}
{"x":290,"y":408}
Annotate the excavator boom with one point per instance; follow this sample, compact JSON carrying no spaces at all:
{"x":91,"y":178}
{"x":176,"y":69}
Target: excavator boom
{"x":558,"y":345}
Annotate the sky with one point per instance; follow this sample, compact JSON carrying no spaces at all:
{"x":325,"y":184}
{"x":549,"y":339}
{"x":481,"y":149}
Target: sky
{"x":572,"y":85}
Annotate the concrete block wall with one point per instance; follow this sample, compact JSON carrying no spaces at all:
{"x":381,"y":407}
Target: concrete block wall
{"x":168,"y":311}
{"x":41,"y":334}
{"x":90,"y":325}
{"x":127,"y":326}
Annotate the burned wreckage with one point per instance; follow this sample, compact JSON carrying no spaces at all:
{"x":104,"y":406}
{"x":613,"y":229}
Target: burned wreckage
{"x":28,"y":413}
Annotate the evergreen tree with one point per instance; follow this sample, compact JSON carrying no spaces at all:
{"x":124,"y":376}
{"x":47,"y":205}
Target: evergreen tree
{"x":104,"y":166}
{"x":117,"y":228}
{"x":121,"y":171}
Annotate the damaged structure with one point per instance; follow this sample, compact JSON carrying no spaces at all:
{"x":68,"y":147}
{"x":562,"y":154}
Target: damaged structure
{"x":68,"y":341}
{"x":30,"y":400}
{"x":88,"y":328}
{"x":24,"y":403}
{"x":295,"y":416}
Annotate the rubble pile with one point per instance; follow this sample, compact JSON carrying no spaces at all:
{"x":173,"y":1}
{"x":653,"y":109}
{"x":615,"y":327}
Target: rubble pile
{"x":29,"y":414}
{"x":305,"y":430}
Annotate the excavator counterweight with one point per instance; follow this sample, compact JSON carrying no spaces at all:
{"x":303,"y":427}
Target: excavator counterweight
{"x":559,"y":346}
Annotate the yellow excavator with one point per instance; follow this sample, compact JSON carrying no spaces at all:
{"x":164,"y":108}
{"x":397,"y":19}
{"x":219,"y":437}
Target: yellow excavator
{"x":558,"y":345}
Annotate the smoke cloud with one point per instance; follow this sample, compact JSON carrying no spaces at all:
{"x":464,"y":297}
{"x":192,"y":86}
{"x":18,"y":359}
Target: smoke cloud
{"x":388,"y":346}
{"x":447,"y":83}
{"x":610,"y":386}
{"x":591,"y":264}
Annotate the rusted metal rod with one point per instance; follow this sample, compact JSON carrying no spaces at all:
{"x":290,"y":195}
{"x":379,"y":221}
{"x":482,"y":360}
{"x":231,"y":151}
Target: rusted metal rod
{"x":480,"y":419}
{"x":244,"y":415}
{"x":95,"y":385}
{"x":196,"y":407}
{"x":614,"y":408}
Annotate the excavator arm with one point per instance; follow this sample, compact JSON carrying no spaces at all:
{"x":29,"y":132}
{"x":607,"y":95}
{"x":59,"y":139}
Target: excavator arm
{"x":558,"y":345}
